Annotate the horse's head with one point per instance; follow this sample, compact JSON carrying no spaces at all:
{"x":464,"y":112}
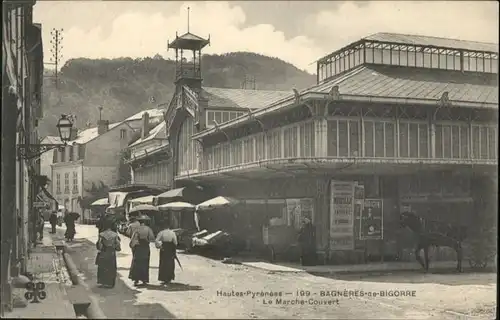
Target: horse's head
{"x":409,"y":219}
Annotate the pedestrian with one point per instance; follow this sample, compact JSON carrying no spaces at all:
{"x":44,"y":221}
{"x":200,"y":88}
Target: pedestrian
{"x":139,"y":243}
{"x":39,"y":226}
{"x":69,"y":220}
{"x":53,"y":222}
{"x":307,"y":243}
{"x":107,"y":245}
{"x":166,"y":241}
{"x":132,"y":227}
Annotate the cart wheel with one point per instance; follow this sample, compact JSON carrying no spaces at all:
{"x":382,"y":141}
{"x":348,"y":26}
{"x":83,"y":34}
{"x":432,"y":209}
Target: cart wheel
{"x":478,"y":264}
{"x":272,"y":253}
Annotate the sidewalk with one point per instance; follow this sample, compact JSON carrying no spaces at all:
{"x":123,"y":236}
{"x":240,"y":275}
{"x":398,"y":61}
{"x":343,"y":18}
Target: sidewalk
{"x":350,"y":269}
{"x":47,"y":266}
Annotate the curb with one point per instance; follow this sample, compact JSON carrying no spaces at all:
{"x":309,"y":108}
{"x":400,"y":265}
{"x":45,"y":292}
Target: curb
{"x":93,"y":311}
{"x":357,"y":272}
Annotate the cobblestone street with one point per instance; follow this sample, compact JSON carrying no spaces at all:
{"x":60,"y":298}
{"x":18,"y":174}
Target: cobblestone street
{"x":208,"y":289}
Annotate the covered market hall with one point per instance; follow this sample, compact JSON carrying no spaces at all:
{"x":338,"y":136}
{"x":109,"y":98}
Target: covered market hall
{"x":394,"y":123}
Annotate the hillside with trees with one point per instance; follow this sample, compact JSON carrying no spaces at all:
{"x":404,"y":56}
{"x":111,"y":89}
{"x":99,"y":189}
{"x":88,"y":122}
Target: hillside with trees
{"x":125,"y":86}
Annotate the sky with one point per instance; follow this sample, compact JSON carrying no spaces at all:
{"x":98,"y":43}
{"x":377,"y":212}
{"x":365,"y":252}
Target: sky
{"x":299,"y":32}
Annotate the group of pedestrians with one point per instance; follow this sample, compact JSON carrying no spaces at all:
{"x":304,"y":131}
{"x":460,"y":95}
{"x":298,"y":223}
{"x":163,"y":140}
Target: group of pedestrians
{"x":141,"y":236}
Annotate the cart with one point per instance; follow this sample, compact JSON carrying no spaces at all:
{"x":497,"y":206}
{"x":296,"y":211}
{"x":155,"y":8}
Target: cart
{"x":280,"y":241}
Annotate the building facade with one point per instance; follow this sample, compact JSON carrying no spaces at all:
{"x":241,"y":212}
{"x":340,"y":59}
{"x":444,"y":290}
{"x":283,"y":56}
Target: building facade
{"x":22,"y":62}
{"x":93,"y":159}
{"x":394,"y":123}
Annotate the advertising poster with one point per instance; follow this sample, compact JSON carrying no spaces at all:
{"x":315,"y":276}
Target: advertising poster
{"x":371,"y":221}
{"x":342,"y":215}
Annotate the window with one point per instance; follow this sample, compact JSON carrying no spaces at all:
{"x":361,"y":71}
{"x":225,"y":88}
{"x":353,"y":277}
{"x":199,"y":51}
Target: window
{"x":260,"y":147}
{"x":395,"y":57}
{"x":210,"y":118}
{"x":70,"y":153}
{"x":369,"y":139}
{"x":58,"y":183}
{"x":123,"y":134}
{"x":403,"y":140}
{"x":419,"y":58}
{"x":218,"y":117}
{"x":66,"y":182}
{"x":290,"y":139}
{"x":75,"y":182}
{"x":236,"y":156}
{"x":377,"y":55}
{"x":379,"y":139}
{"x":343,"y":138}
{"x":354,"y":138}
{"x":225,"y":116}
{"x":369,"y":55}
{"x":492,"y":143}
{"x":332,"y":138}
{"x":273,"y":144}
{"x":484,"y":143}
{"x":248,"y":150}
{"x":307,"y":139}
{"x":63,"y":154}
{"x":81,"y":151}
{"x":464,"y":142}
{"x":226,"y":155}
{"x":476,"y":141}
{"x":390,"y":133}
{"x":186,"y":148}
{"x":423,"y":140}
{"x":413,"y":134}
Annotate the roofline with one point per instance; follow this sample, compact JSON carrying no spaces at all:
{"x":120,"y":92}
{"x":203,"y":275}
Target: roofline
{"x":365,"y":40}
{"x":343,"y":97}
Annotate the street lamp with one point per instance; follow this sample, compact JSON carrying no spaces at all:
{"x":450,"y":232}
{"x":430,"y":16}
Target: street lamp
{"x":30,"y":151}
{"x":64,"y":126}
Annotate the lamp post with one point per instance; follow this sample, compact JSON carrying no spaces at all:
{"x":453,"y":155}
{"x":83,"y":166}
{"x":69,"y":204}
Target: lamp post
{"x":31,"y":151}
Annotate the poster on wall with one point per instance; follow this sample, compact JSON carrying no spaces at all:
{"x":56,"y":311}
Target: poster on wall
{"x":342,"y":215}
{"x":371,"y":222}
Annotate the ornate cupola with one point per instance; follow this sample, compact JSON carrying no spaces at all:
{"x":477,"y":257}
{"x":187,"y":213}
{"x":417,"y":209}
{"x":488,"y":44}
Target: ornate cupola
{"x":188,"y":58}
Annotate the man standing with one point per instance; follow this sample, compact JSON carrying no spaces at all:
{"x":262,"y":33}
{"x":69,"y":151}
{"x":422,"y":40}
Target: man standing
{"x":53,"y":222}
{"x":307,"y":242}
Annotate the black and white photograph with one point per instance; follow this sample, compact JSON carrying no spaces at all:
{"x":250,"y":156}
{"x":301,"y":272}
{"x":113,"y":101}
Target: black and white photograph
{"x":249,"y":159}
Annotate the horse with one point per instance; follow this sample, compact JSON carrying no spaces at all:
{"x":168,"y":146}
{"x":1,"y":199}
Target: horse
{"x":451,"y":236}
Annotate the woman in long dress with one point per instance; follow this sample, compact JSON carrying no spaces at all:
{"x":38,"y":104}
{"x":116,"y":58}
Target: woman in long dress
{"x":166,"y":241}
{"x":142,"y":237}
{"x":107,"y":244}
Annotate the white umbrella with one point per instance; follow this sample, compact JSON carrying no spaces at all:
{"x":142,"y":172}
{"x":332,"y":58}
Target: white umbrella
{"x":176,"y":206}
{"x":101,"y":202}
{"x":217,"y":202}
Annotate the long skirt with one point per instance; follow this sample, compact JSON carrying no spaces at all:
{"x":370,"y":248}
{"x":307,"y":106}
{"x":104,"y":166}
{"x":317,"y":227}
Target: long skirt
{"x":106,"y":268}
{"x":166,"y":272}
{"x":70,"y":231}
{"x":139,"y":270}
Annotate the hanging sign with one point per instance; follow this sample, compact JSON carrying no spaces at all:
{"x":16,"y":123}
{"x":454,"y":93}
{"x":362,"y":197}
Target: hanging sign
{"x":342,"y":215}
{"x":372,"y":220}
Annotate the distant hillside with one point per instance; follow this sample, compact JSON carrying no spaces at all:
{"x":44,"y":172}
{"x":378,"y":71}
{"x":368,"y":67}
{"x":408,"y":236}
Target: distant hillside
{"x":126,"y":86}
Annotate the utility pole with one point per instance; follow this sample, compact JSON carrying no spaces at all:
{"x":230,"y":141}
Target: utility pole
{"x":55,"y":50}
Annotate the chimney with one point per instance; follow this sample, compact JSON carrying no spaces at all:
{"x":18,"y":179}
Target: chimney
{"x":73,"y":134}
{"x":102,"y":126}
{"x":145,"y":125}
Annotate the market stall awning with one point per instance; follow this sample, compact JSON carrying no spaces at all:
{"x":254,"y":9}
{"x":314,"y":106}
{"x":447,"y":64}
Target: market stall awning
{"x":178,"y":206}
{"x":101,"y":202}
{"x":174,"y":193}
{"x":116,"y":199}
{"x":143,"y":208}
{"x":142,"y":200}
{"x":217,"y":202}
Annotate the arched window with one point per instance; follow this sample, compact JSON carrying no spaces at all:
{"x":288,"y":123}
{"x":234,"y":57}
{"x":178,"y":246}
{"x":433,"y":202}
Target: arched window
{"x":186,"y":148}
